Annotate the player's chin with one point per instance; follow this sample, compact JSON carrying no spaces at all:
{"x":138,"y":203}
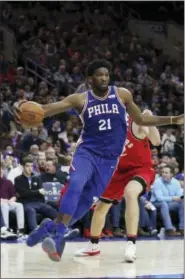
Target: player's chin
{"x":103,"y":87}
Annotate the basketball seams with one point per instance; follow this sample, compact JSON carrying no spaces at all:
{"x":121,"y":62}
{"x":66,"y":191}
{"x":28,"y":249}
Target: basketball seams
{"x":32,"y":114}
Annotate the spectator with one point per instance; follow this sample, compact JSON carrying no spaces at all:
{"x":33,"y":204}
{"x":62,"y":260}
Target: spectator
{"x":115,"y":213}
{"x":180,"y":178}
{"x":9,"y":149}
{"x":31,"y":194}
{"x":30,"y":140}
{"x":41,"y":161}
{"x":43,"y":146}
{"x":55,"y":130}
{"x":50,"y":153}
{"x":43,"y":133}
{"x":166,"y":196}
{"x":62,"y":75}
{"x":14,"y":172}
{"x":5,"y":233}
{"x":8,"y":162}
{"x":8,"y":203}
{"x":53,"y":174}
{"x":148,"y":217}
{"x":167,"y":142}
{"x":34,"y":149}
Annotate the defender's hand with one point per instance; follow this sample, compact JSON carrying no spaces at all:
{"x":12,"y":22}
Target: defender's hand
{"x":147,"y":112}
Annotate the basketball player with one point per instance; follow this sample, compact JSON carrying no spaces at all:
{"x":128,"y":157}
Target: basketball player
{"x":132,"y":177}
{"x":103,"y":113}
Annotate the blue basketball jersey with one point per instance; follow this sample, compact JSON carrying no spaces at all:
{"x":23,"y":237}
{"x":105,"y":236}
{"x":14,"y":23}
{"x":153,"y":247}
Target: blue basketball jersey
{"x":104,"y":124}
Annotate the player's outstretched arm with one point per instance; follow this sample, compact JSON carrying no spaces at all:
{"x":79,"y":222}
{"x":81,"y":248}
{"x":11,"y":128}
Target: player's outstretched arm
{"x":146,"y":120}
{"x":151,"y":132}
{"x":72,"y":101}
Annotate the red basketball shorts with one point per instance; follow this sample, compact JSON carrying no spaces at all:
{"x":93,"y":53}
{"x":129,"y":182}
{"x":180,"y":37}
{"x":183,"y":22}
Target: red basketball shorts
{"x":120,"y":179}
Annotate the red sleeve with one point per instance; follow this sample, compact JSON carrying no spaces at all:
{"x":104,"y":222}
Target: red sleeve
{"x":11,"y":190}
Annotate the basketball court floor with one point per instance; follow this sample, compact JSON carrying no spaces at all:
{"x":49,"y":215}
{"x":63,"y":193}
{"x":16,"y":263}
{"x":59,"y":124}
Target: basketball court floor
{"x":155,"y":259}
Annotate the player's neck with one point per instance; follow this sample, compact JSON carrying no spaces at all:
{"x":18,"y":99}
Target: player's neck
{"x":99,"y":93}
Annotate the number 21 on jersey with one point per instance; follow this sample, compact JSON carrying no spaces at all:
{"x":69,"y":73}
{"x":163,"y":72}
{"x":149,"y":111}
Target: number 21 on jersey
{"x":104,"y":124}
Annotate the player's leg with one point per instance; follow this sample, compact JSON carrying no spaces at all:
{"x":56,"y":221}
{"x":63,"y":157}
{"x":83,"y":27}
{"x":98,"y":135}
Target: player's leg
{"x":132,"y":191}
{"x":140,"y":180}
{"x":114,"y":191}
{"x":97,"y":225}
{"x":80,"y":173}
{"x":77,"y":199}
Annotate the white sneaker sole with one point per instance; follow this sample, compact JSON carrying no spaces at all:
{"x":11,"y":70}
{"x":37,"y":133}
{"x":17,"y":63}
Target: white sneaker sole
{"x":87,"y":254}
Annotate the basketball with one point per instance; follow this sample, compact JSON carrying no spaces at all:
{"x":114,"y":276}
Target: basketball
{"x":31,"y":114}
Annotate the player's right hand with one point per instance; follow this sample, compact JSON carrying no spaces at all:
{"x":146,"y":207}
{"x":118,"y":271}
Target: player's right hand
{"x":17,"y":110}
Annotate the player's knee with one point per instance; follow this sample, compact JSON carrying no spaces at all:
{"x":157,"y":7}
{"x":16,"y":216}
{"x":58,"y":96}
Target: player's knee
{"x":133,"y":190}
{"x":102,"y":207}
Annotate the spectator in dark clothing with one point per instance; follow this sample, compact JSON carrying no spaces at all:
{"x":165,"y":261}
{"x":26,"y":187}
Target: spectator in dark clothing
{"x":31,"y":194}
{"x":30,"y":140}
{"x":53,"y":173}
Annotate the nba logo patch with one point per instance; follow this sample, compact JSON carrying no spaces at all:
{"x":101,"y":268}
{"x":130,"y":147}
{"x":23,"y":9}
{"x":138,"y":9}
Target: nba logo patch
{"x":112,"y":96}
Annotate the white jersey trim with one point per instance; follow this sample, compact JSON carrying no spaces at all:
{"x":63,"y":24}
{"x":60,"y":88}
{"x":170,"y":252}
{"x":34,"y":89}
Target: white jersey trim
{"x":103,"y":98}
{"x":119,"y":99}
{"x":81,"y":115}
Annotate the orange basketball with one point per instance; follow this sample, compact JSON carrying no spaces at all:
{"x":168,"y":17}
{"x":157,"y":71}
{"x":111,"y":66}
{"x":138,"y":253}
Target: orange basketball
{"x":31,"y":114}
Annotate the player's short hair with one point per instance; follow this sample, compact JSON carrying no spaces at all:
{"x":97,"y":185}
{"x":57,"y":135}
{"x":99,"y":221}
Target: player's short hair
{"x":96,"y":64}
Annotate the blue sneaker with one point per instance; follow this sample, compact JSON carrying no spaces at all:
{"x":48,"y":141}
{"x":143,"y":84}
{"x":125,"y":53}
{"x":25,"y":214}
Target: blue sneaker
{"x":38,"y":234}
{"x":54,"y":247}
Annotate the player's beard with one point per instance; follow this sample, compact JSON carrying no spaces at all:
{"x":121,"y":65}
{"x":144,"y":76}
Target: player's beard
{"x":101,"y":89}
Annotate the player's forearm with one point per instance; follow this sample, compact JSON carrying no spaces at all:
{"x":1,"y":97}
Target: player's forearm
{"x":54,"y":108}
{"x":152,"y":120}
{"x":154,"y":136}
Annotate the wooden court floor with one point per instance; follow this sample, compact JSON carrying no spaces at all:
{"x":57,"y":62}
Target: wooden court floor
{"x":161,"y":259}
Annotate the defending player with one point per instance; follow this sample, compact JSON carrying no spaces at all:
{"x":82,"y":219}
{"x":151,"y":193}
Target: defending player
{"x":103,"y":113}
{"x":133,"y":176}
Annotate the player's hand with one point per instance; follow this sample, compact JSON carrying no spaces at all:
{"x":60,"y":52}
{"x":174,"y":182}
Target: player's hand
{"x":17,"y":110}
{"x":42,"y":191}
{"x":178,"y":120}
{"x":147,"y":112}
{"x":176,"y":199}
